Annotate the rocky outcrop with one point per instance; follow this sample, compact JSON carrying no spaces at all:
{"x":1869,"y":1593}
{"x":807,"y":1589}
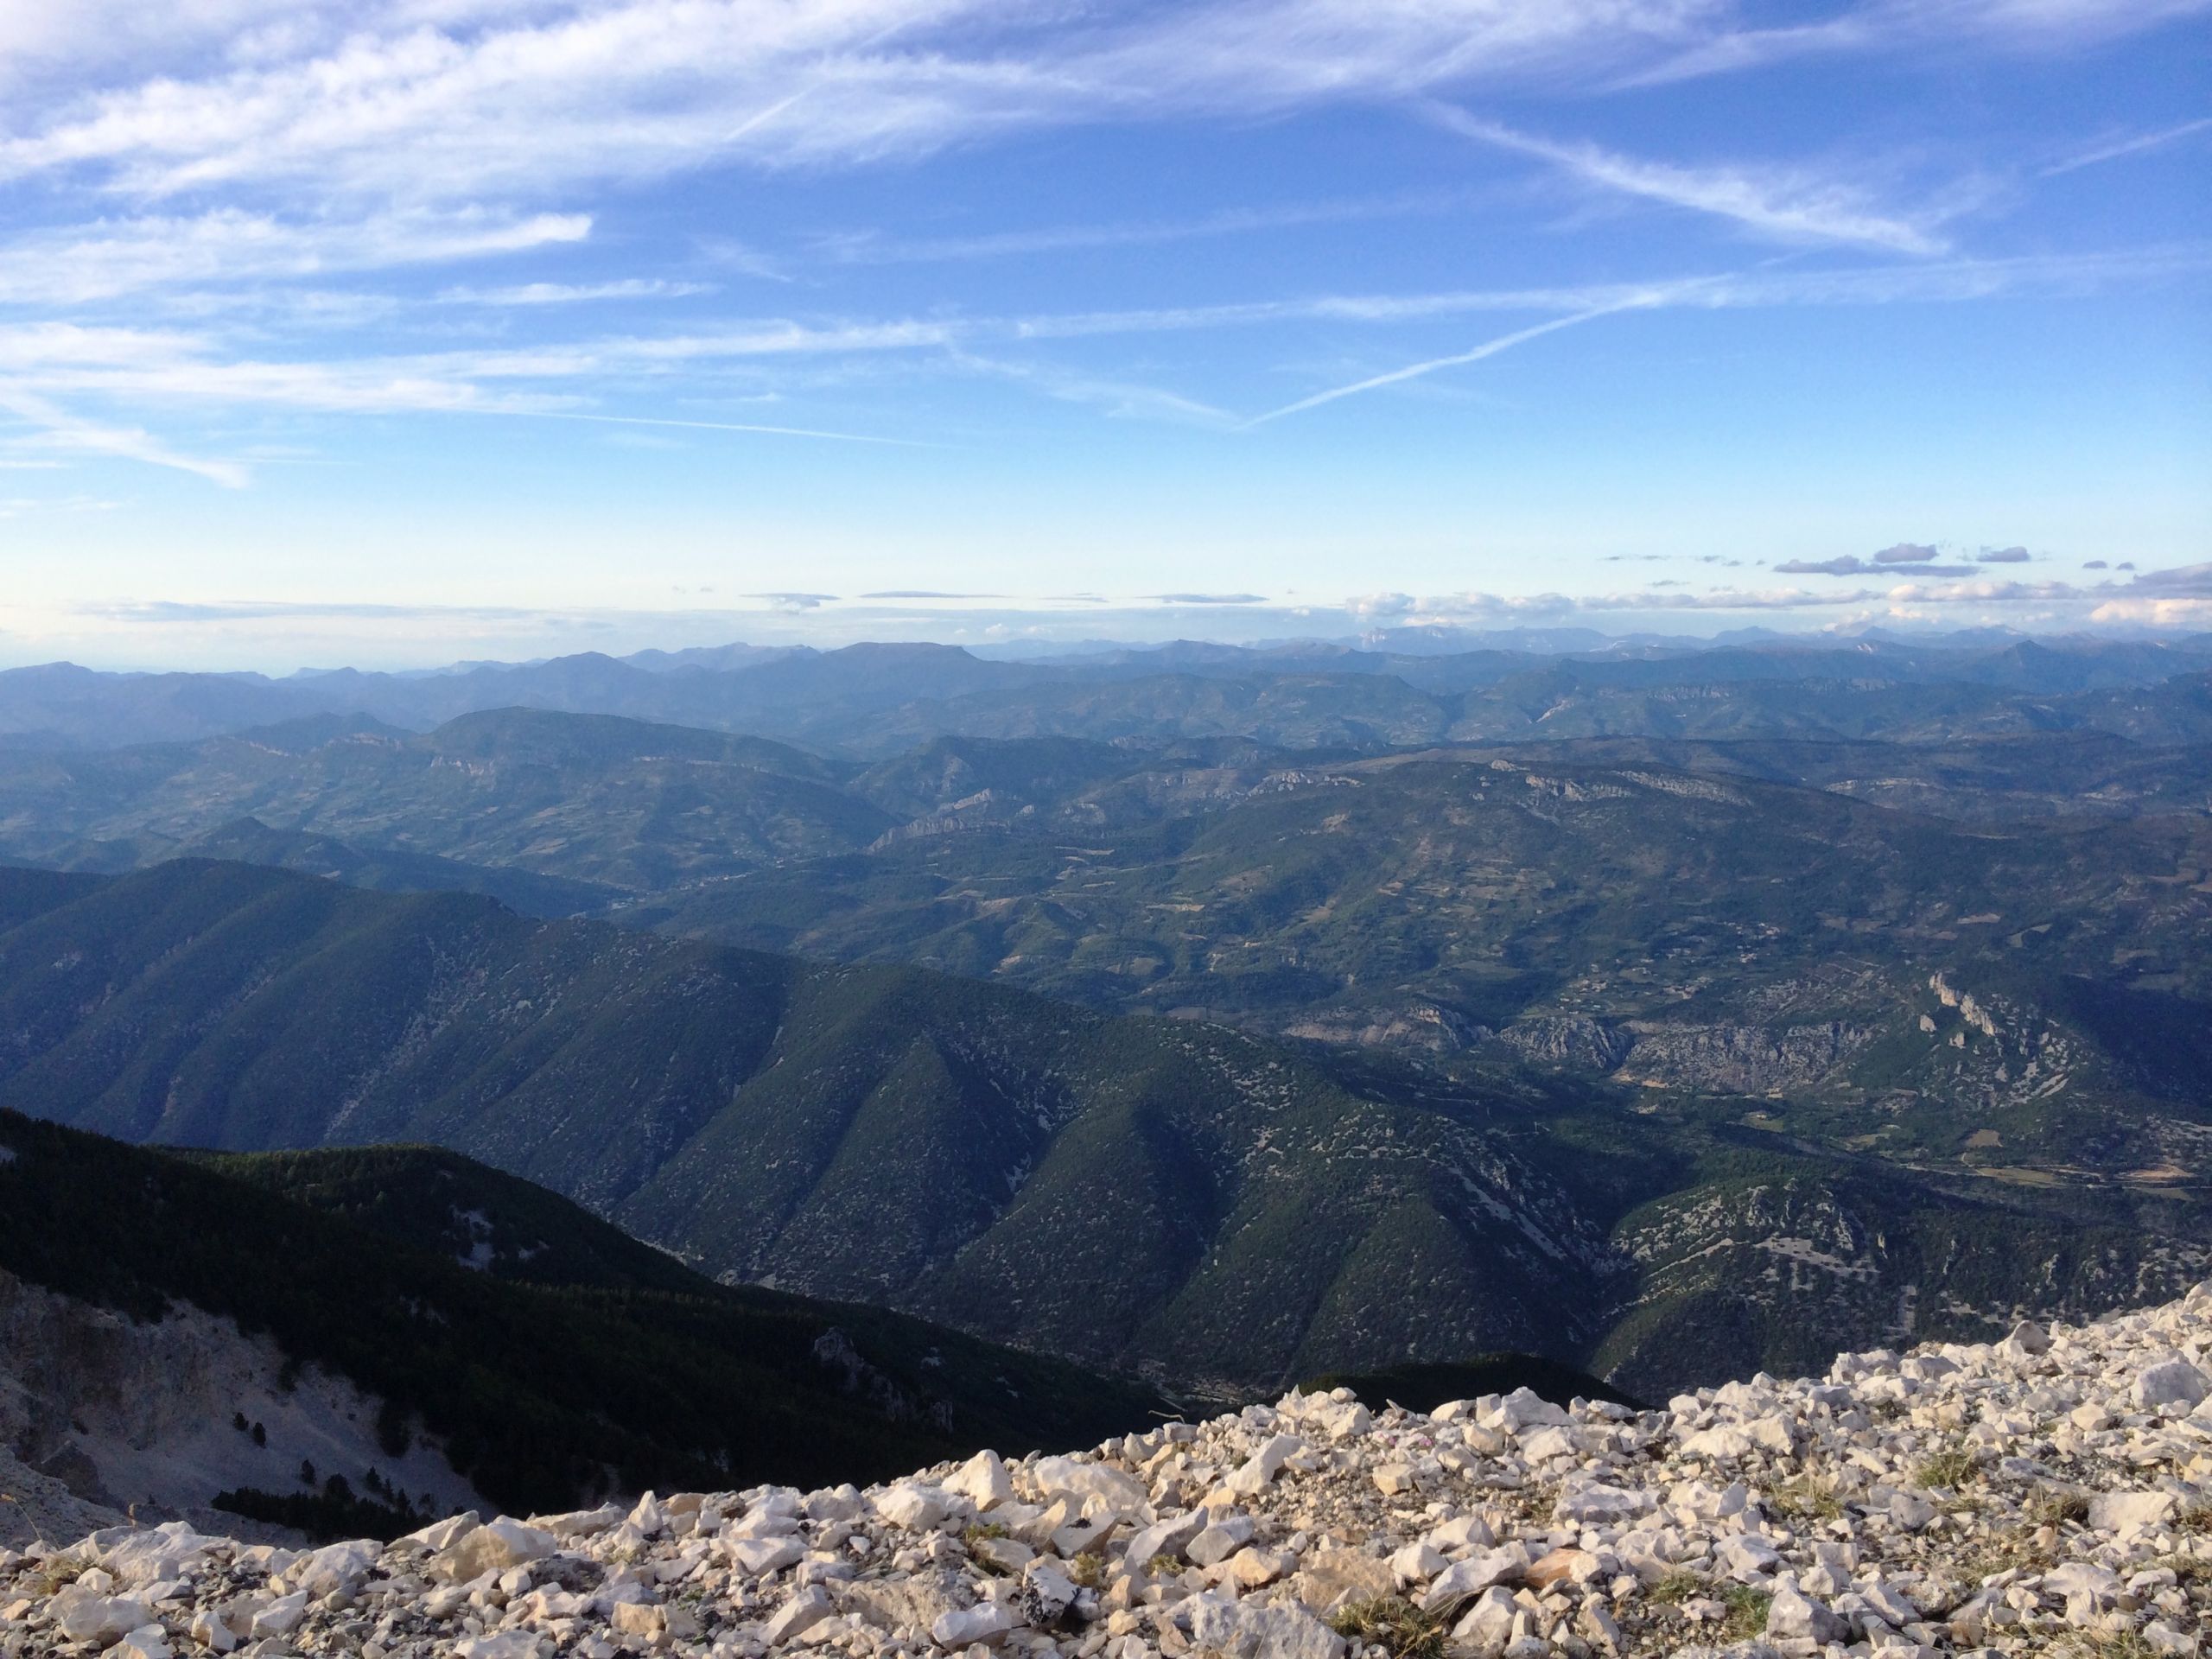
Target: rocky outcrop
{"x":2044,"y":1492}
{"x":1570,"y":1039}
{"x":161,"y":1415}
{"x":1742,"y":1060}
{"x":1420,"y":1025}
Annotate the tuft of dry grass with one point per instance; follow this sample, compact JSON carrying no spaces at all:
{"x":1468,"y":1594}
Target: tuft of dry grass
{"x":1746,"y":1611}
{"x":1808,"y":1497}
{"x":1949,"y":1468}
{"x":1401,"y":1628}
{"x":2055,"y":1506}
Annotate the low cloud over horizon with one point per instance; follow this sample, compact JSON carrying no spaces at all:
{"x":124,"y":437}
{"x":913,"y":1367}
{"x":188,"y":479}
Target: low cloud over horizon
{"x":280,"y":636}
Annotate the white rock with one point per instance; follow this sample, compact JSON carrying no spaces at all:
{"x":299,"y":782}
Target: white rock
{"x":984,"y":1481}
{"x":581,"y":1523}
{"x":1487,"y":1626}
{"x":1791,"y":1617}
{"x":1585,"y":1501}
{"x":1242,"y":1630}
{"x":1392,"y":1478}
{"x":1745,"y":1556}
{"x":281,"y":1617}
{"x":1221,"y":1540}
{"x":988,"y":1623}
{"x":915,"y":1505}
{"x":1167,"y":1537}
{"x":1726,"y":1443}
{"x":1463,"y":1532}
{"x":444,"y":1534}
{"x":1475,"y":1575}
{"x":2127,"y":1512}
{"x":500,"y":1644}
{"x":1524,"y":1409}
{"x":1553,"y":1441}
{"x":336,"y":1567}
{"x":98,"y":1618}
{"x":799,"y":1615}
{"x":758,"y":1557}
{"x":2162,"y":1637}
{"x":1911,"y":1512}
{"x":1417,"y":1563}
{"x":2170,"y":1381}
{"x":1260,"y":1469}
{"x":492,"y":1547}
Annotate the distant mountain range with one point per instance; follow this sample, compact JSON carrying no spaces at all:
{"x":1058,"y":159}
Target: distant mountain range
{"x":872,"y":700}
{"x":1209,"y":1015}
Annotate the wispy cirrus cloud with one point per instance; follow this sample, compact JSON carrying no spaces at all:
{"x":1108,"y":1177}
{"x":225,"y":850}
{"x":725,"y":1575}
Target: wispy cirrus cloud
{"x":2113,"y":150}
{"x":112,"y":258}
{"x":872,"y":248}
{"x":185,"y":369}
{"x":1787,"y":204}
{"x":627,"y":288}
{"x":1489,"y":348}
{"x":1893,"y":26}
{"x":58,"y":428}
{"x":408,"y":105}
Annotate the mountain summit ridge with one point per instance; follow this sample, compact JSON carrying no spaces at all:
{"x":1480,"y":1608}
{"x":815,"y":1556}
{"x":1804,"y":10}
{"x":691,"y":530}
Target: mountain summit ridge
{"x":1766,"y":1520}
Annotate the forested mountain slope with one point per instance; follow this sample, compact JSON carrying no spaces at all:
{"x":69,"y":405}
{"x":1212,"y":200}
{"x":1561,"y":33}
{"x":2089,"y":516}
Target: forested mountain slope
{"x":548,"y":1358}
{"x":1169,"y":1196}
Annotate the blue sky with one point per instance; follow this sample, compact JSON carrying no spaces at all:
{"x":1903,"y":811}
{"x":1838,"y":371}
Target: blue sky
{"x":394,"y":331}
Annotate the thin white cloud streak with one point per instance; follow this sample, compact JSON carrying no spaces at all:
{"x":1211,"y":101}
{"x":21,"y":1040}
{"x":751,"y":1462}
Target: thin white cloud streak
{"x":555,"y":94}
{"x":141,"y":366}
{"x":110,"y":258}
{"x":527,"y":293}
{"x":872,"y":250}
{"x":1788,"y":205}
{"x":2125,"y":147}
{"x":58,"y":427}
{"x":1119,"y":398}
{"x":706,"y":426}
{"x":2026,"y":26}
{"x":1414,"y":371}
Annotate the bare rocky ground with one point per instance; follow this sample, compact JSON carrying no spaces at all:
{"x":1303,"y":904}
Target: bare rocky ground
{"x":2051,"y":1493}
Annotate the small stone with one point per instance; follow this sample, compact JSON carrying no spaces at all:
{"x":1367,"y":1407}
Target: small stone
{"x":1253,"y":1568}
{"x":1486,"y":1627}
{"x":2171,"y":1381}
{"x":914,"y":1505}
{"x":1260,"y":1469}
{"x":1572,"y":1566}
{"x":2127,"y":1512}
{"x":987,"y":1622}
{"x":1417,"y":1563}
{"x":1221,"y":1540}
{"x":1792,"y":1617}
{"x":635,"y":1618}
{"x":281,"y":1617}
{"x":1392,"y":1478}
{"x":984,"y":1481}
{"x":798,"y":1615}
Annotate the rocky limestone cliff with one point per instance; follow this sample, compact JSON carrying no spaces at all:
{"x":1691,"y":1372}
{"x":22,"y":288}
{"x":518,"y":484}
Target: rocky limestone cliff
{"x":2050,"y":1493}
{"x":115,"y":1412}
